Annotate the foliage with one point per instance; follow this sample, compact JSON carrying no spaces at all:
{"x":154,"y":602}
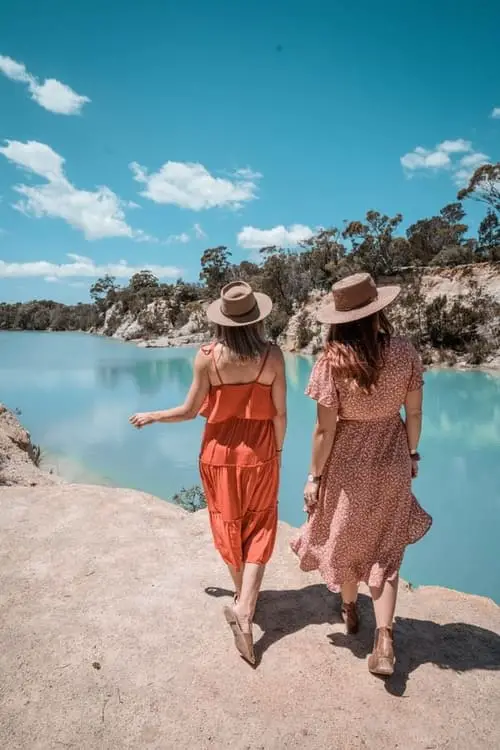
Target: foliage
{"x":192,"y":499}
{"x":489,"y":236}
{"x":304,"y":332}
{"x":466,"y":325}
{"x":103,"y":290}
{"x":374,"y":248}
{"x":215,"y":270}
{"x":484,"y":186}
{"x":290,"y":277}
{"x":42,"y":315}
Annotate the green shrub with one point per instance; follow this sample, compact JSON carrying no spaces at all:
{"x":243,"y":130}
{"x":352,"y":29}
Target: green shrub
{"x":191,"y":499}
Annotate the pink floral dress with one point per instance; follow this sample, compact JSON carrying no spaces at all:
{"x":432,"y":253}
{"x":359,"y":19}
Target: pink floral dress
{"x":366,"y":514}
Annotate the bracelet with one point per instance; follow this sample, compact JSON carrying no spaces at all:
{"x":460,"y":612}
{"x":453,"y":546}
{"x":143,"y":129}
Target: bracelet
{"x":415,"y":455}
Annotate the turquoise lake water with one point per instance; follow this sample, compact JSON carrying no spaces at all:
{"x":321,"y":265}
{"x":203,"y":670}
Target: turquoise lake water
{"x":76,"y":392}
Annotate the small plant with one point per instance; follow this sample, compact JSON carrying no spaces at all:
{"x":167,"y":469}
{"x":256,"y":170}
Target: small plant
{"x":35,"y":453}
{"x":192,"y":499}
{"x":304,"y":333}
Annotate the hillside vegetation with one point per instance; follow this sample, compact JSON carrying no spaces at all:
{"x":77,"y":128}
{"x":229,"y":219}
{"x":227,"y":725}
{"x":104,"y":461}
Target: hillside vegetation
{"x":445,"y":307}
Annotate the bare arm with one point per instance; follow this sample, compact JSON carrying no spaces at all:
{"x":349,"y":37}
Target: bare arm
{"x":191,"y":406}
{"x":413,"y":424}
{"x":323,"y":439}
{"x":279,"y":400}
{"x":413,"y":418}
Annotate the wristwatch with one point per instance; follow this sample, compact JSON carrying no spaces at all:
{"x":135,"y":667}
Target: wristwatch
{"x":312,"y":479}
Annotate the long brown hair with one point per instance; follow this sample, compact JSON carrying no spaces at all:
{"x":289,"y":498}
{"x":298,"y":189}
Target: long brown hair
{"x":356,"y":350}
{"x":243,"y":342}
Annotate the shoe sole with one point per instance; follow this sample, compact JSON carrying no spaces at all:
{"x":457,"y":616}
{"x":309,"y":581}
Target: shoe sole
{"x":384,"y":668}
{"x":242,"y":646}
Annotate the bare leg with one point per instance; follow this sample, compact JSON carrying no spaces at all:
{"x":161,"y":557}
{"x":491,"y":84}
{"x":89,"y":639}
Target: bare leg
{"x":237,"y":576}
{"x":384,"y":603}
{"x":349,"y":592}
{"x":245,"y":606}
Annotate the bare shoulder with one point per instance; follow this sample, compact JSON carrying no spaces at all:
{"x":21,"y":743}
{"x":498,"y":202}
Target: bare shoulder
{"x":276,"y":358}
{"x":203,"y":357}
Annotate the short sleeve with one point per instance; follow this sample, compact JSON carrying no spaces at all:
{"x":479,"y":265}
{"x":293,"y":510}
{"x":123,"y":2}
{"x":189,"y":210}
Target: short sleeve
{"x":416,"y":370}
{"x":321,"y":387}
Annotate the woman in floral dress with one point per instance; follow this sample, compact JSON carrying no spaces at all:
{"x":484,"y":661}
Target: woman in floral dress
{"x":362,"y":512}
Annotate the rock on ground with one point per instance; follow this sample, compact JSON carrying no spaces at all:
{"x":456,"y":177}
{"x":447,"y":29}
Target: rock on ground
{"x":112,"y":638}
{"x":18,"y":454}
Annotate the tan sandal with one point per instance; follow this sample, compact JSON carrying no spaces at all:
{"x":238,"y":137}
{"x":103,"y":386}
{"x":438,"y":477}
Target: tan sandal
{"x":242,"y":641}
{"x":381,"y":661}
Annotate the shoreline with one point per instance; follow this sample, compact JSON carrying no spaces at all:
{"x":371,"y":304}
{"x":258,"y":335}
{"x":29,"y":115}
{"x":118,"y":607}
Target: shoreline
{"x":185,"y":342}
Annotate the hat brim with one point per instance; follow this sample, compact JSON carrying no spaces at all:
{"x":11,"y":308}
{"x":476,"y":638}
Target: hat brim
{"x":261,"y":311}
{"x":330,"y":315}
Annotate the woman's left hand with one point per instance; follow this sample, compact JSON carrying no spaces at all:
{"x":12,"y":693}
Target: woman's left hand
{"x":142,"y":419}
{"x":311,"y":491}
{"x":414,"y":468}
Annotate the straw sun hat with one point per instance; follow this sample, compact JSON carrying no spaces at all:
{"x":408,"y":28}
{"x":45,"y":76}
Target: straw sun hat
{"x":356,"y":297}
{"x":239,"y":305}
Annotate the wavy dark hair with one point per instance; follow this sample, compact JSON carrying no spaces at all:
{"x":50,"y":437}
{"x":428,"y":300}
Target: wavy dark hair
{"x":357,"y":350}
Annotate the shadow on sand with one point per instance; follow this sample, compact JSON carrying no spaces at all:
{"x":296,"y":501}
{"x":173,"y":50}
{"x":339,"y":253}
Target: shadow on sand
{"x":456,"y":646}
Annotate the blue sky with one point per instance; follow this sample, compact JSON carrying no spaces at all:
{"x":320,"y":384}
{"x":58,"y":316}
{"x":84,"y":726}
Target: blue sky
{"x":135,"y":135}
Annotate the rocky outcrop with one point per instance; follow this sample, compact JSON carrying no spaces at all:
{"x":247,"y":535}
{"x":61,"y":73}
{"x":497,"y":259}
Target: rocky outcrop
{"x":454,"y":282}
{"x":303,"y":334}
{"x":113,"y":637}
{"x":151,"y":327}
{"x":19,"y":458}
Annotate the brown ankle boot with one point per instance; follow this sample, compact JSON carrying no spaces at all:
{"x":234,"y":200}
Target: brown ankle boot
{"x":349,"y":613}
{"x":381,"y":660}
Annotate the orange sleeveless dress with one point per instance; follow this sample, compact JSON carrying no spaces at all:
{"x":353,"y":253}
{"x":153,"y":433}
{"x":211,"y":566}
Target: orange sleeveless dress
{"x":239,"y":468}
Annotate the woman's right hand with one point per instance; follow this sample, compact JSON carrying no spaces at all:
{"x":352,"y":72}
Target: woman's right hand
{"x":142,"y":419}
{"x":311,"y":492}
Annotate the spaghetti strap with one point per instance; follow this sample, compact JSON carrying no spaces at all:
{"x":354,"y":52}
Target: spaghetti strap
{"x":264,"y":362}
{"x":215,"y":365}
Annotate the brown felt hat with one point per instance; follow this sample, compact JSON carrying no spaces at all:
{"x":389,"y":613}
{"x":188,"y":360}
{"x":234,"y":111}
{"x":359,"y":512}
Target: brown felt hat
{"x":239,"y":305}
{"x":356,"y":297}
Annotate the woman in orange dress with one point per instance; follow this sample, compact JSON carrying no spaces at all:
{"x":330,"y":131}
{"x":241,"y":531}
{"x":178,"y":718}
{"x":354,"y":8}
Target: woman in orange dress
{"x":362,"y":512}
{"x":239,"y":387}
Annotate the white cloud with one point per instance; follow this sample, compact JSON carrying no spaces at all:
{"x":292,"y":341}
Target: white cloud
{"x":181,"y":238}
{"x":192,"y":186}
{"x":455,"y":147}
{"x":14,"y":70}
{"x":437,"y":158}
{"x":474,"y":160}
{"x":198,"y":232}
{"x":252,"y":238}
{"x":496,"y":113}
{"x":52,"y":95}
{"x":446,"y":156}
{"x":467,"y":167}
{"x":35,"y":157}
{"x":80,"y":266}
{"x":98,"y":213}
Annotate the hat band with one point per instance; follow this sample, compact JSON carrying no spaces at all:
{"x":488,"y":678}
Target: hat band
{"x":348,"y":308}
{"x":241,"y":314}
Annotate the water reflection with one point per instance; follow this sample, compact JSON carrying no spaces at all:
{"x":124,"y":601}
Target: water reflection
{"x":467,"y":415}
{"x":149,"y":376}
